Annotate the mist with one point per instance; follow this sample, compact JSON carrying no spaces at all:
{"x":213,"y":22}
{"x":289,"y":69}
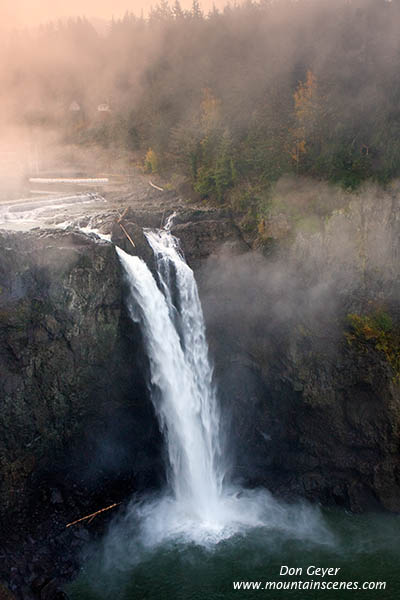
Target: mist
{"x":23,"y":13}
{"x":229,"y":98}
{"x":159,"y":75}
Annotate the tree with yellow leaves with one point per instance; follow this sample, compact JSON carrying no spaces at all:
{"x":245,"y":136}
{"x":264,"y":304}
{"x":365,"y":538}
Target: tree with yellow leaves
{"x":151,"y":161}
{"x":306,"y":109}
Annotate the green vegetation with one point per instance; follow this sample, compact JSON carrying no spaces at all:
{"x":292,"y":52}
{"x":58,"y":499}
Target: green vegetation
{"x":230,"y":101}
{"x":377,"y":329}
{"x":151,"y":162}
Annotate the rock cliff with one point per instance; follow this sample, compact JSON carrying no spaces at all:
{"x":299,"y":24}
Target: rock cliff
{"x":310,"y":395}
{"x":77,"y":429}
{"x":307,"y":355}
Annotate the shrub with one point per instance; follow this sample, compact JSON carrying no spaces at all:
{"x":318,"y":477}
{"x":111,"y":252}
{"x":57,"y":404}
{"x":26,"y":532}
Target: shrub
{"x":151,"y":162}
{"x":377,"y":329}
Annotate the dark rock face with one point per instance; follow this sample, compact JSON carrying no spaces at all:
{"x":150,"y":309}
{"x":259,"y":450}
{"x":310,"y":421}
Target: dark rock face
{"x":5,"y":594}
{"x":130,"y":237}
{"x":309,"y":413}
{"x":77,"y":428}
{"x":61,"y":315}
{"x":328,"y":432}
{"x":202,"y":238}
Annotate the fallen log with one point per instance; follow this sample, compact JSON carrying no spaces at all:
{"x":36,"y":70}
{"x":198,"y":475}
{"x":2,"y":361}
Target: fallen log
{"x":127,"y":235}
{"x":123,"y":215}
{"x":156,"y":187}
{"x":93,"y":515}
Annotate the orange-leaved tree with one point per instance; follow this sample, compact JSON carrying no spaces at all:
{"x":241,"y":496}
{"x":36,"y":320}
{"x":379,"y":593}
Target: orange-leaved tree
{"x":306,"y":111}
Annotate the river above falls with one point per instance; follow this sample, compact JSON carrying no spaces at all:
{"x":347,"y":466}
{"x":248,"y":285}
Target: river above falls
{"x":58,"y":202}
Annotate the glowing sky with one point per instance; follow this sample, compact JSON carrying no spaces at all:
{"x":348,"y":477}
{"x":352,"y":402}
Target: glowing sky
{"x":32,"y":12}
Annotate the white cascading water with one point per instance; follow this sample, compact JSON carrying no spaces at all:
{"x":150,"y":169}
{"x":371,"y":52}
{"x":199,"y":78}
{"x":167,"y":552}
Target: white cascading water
{"x":181,"y":372}
{"x":200,"y":504}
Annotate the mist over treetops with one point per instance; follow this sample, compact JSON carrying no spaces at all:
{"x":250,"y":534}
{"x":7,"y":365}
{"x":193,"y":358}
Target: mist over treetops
{"x":230,"y":100}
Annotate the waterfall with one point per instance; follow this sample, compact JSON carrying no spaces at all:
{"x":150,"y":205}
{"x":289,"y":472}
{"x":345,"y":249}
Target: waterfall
{"x":184,"y":396}
{"x":199,"y":505}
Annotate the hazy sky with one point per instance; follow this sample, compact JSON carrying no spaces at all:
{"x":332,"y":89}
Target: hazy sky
{"x":33,"y":12}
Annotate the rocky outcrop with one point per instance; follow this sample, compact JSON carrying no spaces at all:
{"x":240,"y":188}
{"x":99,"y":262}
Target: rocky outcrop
{"x":61,"y":313}
{"x":204,"y":233}
{"x":314,"y":407}
{"x":77,"y":429}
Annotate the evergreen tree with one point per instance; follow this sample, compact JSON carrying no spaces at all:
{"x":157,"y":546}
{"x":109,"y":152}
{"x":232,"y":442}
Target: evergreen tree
{"x":196,"y":12}
{"x":177,"y":11}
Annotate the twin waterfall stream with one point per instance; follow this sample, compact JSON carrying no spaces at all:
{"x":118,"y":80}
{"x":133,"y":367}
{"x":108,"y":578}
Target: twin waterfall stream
{"x":183,"y":395}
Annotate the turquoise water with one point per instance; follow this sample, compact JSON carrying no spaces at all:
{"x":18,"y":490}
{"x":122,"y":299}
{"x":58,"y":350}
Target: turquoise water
{"x":366,"y":548}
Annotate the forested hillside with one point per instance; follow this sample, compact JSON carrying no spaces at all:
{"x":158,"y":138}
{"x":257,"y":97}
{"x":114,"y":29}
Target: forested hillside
{"x":228,"y":101}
